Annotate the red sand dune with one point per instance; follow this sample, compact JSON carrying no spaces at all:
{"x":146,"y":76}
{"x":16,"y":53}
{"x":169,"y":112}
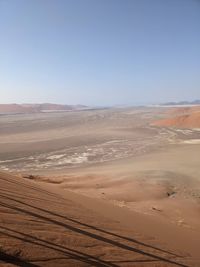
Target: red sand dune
{"x":14,"y":108}
{"x":184,"y":118}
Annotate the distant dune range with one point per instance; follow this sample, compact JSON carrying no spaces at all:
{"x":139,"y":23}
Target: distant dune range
{"x":186,"y":117}
{"x":35,"y":108}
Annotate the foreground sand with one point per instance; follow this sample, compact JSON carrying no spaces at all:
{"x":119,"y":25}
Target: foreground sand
{"x":164,"y":184}
{"x":45,"y":226}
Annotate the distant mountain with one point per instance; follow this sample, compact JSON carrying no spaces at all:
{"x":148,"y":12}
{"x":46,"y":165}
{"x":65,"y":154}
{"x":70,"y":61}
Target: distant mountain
{"x":195,"y":102}
{"x":36,"y":108}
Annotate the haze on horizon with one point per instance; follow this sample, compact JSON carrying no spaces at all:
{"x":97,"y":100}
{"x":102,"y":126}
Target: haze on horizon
{"x":99,"y":52}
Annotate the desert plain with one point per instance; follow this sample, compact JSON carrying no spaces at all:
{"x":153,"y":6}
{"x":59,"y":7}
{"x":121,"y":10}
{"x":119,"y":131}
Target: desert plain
{"x":100,"y":187}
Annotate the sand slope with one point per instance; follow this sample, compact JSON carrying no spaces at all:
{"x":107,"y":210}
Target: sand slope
{"x":41,"y":225}
{"x":182,"y":118}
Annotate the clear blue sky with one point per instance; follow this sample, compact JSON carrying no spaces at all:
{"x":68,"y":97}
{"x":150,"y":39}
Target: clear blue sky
{"x":99,"y":52}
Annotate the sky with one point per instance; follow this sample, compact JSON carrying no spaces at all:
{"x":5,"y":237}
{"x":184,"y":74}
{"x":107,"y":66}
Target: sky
{"x":99,"y":52}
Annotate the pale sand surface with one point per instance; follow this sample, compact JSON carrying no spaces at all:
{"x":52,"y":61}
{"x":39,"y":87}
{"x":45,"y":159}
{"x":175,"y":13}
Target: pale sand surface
{"x":163,"y":184}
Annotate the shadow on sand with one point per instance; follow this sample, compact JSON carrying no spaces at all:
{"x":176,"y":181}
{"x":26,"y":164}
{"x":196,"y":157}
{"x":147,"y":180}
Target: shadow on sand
{"x":6,"y":258}
{"x":102,"y":236}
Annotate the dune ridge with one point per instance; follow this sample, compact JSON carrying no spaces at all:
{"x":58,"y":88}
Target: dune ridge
{"x":188,"y":117}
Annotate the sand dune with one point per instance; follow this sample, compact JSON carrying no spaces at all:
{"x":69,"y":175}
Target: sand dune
{"x":188,"y":117}
{"x":45,"y":226}
{"x":14,"y":108}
